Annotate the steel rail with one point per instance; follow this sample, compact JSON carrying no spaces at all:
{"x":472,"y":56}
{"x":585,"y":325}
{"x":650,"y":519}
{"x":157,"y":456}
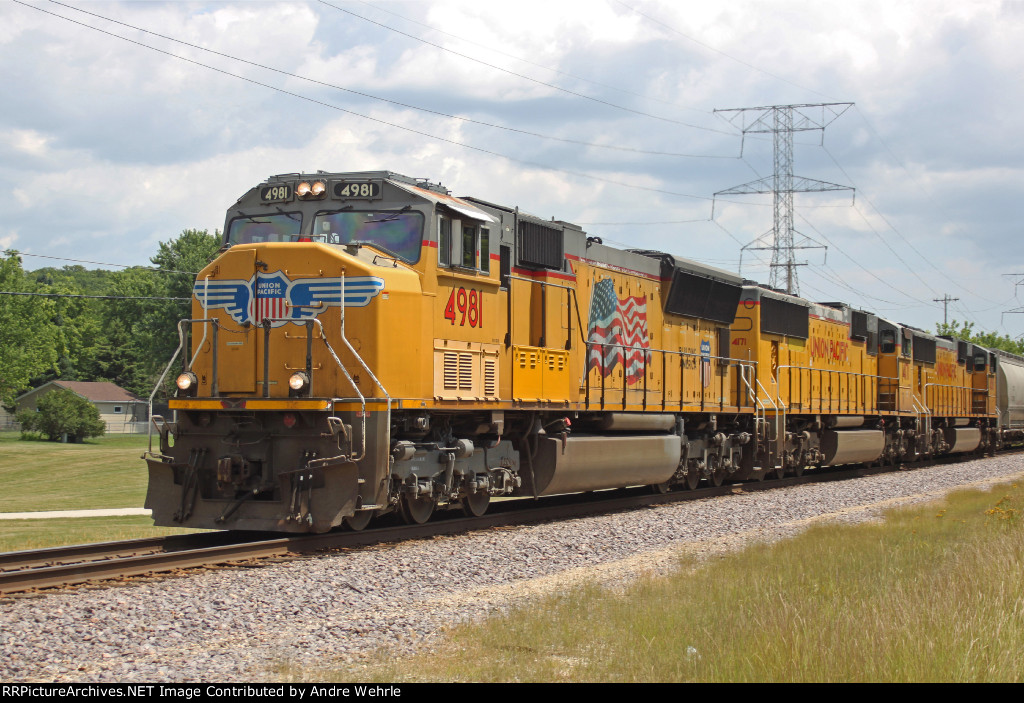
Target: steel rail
{"x":121,"y":559}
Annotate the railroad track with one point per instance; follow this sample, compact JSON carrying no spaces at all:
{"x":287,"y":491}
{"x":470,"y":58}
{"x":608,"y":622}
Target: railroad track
{"x":66,"y":566}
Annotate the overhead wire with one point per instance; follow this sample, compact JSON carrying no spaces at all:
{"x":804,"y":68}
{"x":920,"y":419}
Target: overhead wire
{"x":864,"y":268}
{"x":840,"y":250}
{"x":891,"y":226}
{"x":560,"y":72}
{"x":584,"y":96}
{"x":398,"y":103}
{"x":18,"y":252}
{"x":719,"y":51}
{"x":81,"y":295}
{"x":544,"y":167}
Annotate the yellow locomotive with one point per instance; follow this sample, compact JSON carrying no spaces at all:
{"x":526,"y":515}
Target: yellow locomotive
{"x":367,"y":343}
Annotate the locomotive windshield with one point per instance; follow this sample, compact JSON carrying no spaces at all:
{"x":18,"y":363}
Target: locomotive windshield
{"x":395,"y":231}
{"x":249,"y":229}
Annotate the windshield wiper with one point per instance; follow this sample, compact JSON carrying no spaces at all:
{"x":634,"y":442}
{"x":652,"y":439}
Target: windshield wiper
{"x":389,"y":218}
{"x":289,"y":215}
{"x":253,"y":219}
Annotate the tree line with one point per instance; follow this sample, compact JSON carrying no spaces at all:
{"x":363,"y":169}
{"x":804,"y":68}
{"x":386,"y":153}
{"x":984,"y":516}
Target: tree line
{"x":126,"y":339}
{"x":989,"y":340}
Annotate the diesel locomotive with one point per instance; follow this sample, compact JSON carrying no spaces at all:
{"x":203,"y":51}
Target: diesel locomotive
{"x":366,"y":343}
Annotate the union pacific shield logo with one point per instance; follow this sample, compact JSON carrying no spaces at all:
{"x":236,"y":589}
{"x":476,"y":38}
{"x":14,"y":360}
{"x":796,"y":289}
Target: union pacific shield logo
{"x":277,"y":299}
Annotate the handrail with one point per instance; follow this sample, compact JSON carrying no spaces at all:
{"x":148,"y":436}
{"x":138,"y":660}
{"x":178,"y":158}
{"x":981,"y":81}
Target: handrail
{"x":952,"y":387}
{"x":174,"y":357}
{"x":858,"y":374}
{"x":923,"y":410}
{"x":576,"y":306}
{"x":627,"y":349}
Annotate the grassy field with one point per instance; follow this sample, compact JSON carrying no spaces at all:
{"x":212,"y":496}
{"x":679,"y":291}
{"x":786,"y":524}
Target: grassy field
{"x":105,"y":472}
{"x":933,"y":594}
{"x":18,"y":535}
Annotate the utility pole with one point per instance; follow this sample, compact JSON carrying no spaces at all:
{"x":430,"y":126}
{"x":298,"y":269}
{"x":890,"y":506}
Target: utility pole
{"x":945,"y":300}
{"x":781,"y":121}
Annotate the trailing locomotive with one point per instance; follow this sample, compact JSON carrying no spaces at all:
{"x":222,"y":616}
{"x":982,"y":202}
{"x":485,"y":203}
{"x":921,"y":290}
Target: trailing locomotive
{"x":367,"y":343}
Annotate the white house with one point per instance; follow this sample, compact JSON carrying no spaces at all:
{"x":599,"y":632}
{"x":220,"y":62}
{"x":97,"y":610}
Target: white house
{"x":118,"y":408}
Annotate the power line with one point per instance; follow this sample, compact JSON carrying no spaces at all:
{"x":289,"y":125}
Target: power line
{"x":896,"y":231}
{"x":578,"y":174}
{"x":520,"y":75}
{"x":99,"y":297}
{"x":720,"y":52}
{"x":663,"y":222}
{"x":490,"y":48}
{"x":398,"y":103}
{"x":17,"y":252}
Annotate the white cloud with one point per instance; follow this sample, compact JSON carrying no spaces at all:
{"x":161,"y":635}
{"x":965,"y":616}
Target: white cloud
{"x":136,"y":145}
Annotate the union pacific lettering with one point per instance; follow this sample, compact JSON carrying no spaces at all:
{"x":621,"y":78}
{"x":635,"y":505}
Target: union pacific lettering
{"x":944,"y":369}
{"x":831,"y":349}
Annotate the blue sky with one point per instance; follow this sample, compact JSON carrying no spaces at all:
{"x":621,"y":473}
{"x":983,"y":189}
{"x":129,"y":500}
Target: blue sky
{"x":108,"y":146}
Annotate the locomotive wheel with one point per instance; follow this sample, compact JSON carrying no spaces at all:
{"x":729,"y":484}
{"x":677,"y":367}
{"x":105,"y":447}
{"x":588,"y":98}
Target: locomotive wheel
{"x":691,"y":480}
{"x":798,"y":470}
{"x":475,"y":504}
{"x":717,"y":475}
{"x":660,"y":488}
{"x":416,"y":511}
{"x":359,"y":520}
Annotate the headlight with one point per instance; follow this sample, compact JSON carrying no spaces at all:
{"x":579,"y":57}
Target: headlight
{"x":187,"y":383}
{"x":311,"y":190}
{"x":298,"y":382}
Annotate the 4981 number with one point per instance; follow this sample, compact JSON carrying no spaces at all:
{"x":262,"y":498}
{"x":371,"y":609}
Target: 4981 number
{"x":465,"y":305}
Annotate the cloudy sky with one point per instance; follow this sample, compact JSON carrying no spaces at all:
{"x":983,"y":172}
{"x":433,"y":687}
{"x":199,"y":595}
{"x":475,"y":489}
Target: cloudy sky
{"x":123,"y":123}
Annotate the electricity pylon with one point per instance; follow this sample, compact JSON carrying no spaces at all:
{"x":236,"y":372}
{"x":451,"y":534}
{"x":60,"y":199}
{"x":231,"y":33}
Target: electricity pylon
{"x":781,"y":121}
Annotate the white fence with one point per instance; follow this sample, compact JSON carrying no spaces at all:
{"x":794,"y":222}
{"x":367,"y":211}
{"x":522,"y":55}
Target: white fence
{"x":127,"y":427}
{"x":9,"y":424}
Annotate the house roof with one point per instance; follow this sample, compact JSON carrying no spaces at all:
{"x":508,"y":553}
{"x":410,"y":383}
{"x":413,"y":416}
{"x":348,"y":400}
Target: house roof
{"x":95,"y":391}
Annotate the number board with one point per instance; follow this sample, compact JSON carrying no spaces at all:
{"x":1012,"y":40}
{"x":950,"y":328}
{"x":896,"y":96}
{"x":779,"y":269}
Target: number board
{"x":276,"y":194}
{"x":356,"y":190}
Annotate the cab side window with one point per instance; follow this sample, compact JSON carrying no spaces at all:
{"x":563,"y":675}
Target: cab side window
{"x":444,"y":241}
{"x":464,"y":245}
{"x":888,"y":342}
{"x":469,"y":247}
{"x":485,"y":250}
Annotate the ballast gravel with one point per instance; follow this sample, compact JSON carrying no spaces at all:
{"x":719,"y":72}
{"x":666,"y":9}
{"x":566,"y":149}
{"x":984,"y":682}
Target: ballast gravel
{"x":244,"y":625}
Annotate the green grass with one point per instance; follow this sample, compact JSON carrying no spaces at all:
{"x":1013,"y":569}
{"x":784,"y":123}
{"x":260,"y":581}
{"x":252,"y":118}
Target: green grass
{"x":19,"y":535}
{"x":933,"y":594}
{"x":106,"y":472}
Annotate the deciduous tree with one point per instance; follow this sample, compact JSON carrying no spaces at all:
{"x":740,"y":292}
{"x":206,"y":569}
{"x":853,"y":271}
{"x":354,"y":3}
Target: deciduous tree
{"x":27,"y":346}
{"x":63,"y":413}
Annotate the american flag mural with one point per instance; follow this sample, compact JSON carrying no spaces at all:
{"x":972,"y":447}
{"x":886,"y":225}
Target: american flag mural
{"x":621,"y":325}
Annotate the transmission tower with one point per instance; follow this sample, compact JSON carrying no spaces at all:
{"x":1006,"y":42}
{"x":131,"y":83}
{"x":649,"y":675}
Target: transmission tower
{"x":1017,"y":310}
{"x":781,"y":121}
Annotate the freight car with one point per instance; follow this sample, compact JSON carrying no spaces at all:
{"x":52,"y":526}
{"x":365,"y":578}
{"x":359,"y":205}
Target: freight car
{"x":366,"y":343}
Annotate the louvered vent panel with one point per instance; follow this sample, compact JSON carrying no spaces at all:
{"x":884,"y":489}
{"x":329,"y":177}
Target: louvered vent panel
{"x":451,"y":370}
{"x":465,"y":371}
{"x":490,"y":377}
